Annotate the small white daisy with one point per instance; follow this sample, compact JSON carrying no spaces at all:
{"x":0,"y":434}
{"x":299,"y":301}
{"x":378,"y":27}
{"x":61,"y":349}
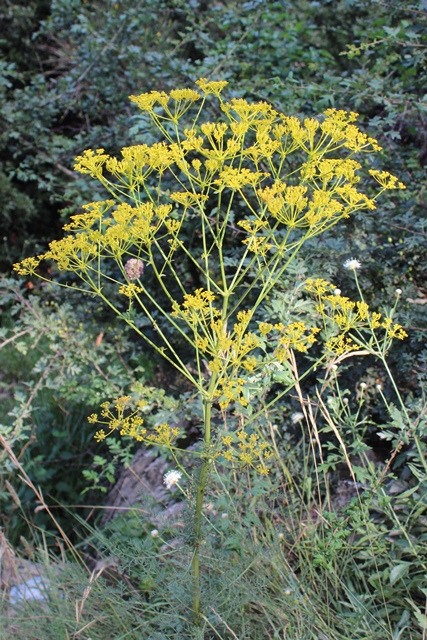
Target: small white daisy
{"x":171,"y":478}
{"x":352,"y":264}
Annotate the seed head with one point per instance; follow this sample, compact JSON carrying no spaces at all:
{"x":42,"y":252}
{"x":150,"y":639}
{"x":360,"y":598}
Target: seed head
{"x":134,"y":268}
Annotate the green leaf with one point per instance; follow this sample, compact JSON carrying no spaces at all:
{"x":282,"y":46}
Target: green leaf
{"x":421,"y":619}
{"x":398,"y":572}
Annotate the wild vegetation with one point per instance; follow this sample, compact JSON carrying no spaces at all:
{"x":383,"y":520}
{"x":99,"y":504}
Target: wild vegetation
{"x":244,"y":296}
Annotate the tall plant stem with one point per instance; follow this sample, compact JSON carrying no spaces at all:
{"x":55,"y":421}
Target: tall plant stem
{"x":201,"y":488}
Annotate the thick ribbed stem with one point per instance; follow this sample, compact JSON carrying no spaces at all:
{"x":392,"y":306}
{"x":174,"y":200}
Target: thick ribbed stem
{"x":201,"y":487}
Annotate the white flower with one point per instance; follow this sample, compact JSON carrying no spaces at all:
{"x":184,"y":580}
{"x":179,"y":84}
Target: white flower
{"x":297,"y":417}
{"x":398,"y":292}
{"x":154,"y":533}
{"x":171,"y":478}
{"x":363,"y":385}
{"x":352,"y":264}
{"x":224,"y":516}
{"x":337,"y":292}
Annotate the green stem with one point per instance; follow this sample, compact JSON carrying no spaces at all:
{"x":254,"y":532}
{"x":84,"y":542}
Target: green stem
{"x":201,"y":488}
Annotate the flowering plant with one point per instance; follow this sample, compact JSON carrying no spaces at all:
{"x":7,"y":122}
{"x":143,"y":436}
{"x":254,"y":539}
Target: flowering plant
{"x":293,"y":180}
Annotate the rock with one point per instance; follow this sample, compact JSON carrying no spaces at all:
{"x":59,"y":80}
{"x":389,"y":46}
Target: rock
{"x":144,"y":477}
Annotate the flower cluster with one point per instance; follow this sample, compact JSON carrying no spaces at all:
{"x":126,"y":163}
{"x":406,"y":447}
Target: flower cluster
{"x":247,"y":450}
{"x":239,"y":352}
{"x":346,"y":319}
{"x":179,"y":201}
{"x":126,"y":425}
{"x":117,"y":419}
{"x":222,"y":157}
{"x":196,"y":307}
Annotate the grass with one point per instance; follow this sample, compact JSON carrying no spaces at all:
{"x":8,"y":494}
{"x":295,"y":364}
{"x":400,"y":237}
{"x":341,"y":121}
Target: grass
{"x":281,"y":559}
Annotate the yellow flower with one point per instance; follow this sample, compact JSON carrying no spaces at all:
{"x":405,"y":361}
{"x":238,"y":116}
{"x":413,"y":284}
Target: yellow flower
{"x":228,"y":455}
{"x":394,"y":330}
{"x":258,"y":245}
{"x":249,"y":111}
{"x":375,"y":320}
{"x":238,"y":178}
{"x":184,"y":95}
{"x":196,"y":306}
{"x":188,"y":199}
{"x":318,"y":286}
{"x":386,"y":180}
{"x":146,"y":101}
{"x":211,"y":86}
{"x":27,"y":266}
{"x":262,"y":469}
{"x":193,"y":142}
{"x":215,"y":365}
{"x":91,"y":162}
{"x":252,"y":226}
{"x":130,"y":290}
{"x":100,"y":435}
{"x":341,"y":344}
{"x":202,"y":343}
{"x":249,"y":364}
{"x":265,"y":328}
{"x":164,"y":435}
